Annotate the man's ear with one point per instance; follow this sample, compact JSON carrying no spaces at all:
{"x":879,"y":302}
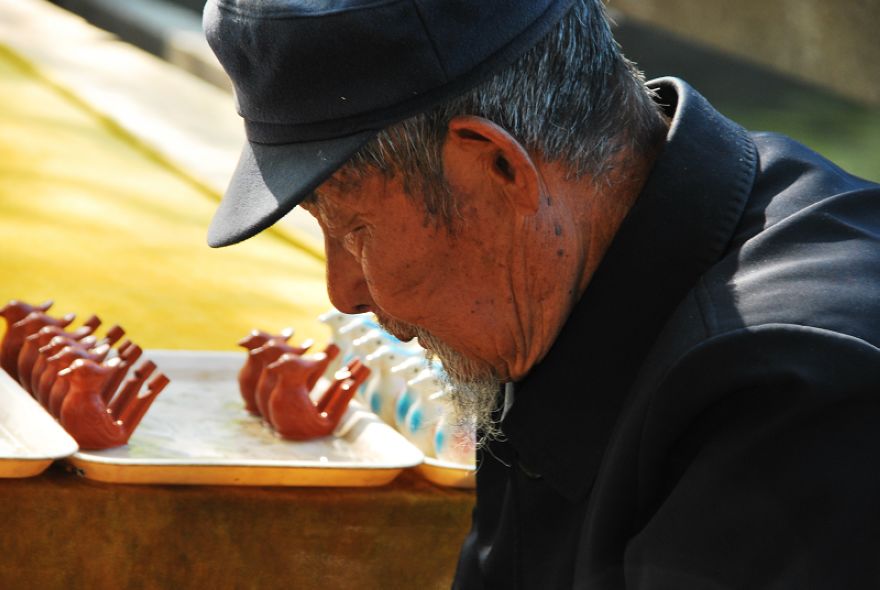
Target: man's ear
{"x":478,"y":149}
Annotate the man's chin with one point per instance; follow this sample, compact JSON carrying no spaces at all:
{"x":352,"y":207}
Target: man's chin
{"x":473,"y":389}
{"x":473,"y":385}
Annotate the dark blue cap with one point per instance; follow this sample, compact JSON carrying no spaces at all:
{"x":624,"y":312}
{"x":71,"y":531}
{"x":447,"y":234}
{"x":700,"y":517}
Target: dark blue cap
{"x":316,"y":80}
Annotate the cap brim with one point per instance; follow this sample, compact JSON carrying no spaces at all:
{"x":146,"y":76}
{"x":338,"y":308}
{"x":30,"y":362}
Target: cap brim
{"x":270,"y":180}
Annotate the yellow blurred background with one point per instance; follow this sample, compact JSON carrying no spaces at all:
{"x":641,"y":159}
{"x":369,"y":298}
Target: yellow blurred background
{"x":91,"y":218}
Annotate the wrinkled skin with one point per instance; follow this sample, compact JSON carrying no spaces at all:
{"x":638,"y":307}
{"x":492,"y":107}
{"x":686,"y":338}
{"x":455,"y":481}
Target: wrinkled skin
{"x":497,"y":288}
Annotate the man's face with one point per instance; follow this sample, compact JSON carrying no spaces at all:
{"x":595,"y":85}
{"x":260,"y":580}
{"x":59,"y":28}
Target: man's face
{"x":420,"y":279}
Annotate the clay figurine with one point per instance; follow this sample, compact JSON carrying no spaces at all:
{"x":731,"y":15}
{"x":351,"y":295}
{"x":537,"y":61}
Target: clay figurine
{"x":50,"y":349}
{"x":260,"y":358}
{"x":384,"y":386}
{"x":128,"y":355}
{"x":30,"y":350}
{"x":268,"y":378}
{"x":86,"y":416}
{"x":407,"y":396}
{"x":89,"y":343}
{"x":130,"y":389}
{"x":424,"y":412}
{"x":17,"y":310}
{"x":348,"y":334}
{"x":258,"y":338}
{"x":60,"y":361}
{"x":336,"y":320}
{"x":344,"y":338}
{"x":17,"y":332}
{"x":253,"y":366}
{"x":292,"y":412}
{"x":455,"y":443}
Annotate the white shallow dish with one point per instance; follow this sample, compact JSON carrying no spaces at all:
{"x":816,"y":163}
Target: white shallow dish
{"x":444,"y":473}
{"x":197,"y":432}
{"x":30,"y":439}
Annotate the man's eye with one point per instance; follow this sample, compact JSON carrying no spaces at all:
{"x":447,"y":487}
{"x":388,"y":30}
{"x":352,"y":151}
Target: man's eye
{"x":354,"y":240}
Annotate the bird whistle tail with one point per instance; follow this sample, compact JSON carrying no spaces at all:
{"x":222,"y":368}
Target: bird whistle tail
{"x":305,"y":346}
{"x":132,"y":354}
{"x":338,"y":403}
{"x":120,"y":370}
{"x":134,"y":413}
{"x":130,"y":389}
{"x":332,"y":351}
{"x":114,"y":334}
{"x":89,"y":326}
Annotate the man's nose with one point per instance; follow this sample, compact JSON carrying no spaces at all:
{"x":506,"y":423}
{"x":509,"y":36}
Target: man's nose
{"x":346,"y":284}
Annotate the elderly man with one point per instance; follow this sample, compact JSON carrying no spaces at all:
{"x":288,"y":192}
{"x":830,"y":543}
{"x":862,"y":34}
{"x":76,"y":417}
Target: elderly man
{"x":665,"y":327}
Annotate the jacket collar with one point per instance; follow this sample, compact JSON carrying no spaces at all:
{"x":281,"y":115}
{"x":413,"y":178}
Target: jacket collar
{"x":566,"y":407}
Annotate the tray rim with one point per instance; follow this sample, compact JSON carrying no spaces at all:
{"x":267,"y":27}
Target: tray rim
{"x":240,"y":475}
{"x":19,"y":468}
{"x":90,"y":457}
{"x":447,"y":474}
{"x":60,"y":446}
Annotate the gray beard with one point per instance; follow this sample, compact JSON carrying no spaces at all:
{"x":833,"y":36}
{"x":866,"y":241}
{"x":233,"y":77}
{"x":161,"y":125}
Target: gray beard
{"x":473,"y":386}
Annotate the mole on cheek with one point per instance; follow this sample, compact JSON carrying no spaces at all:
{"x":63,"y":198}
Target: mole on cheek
{"x":560,"y":253}
{"x":557,"y":229}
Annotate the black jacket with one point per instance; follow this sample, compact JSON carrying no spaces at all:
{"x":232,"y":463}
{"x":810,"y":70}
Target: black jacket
{"x":709,"y":417}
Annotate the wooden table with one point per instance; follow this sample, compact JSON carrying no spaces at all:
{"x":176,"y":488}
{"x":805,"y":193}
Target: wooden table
{"x":63,"y":531}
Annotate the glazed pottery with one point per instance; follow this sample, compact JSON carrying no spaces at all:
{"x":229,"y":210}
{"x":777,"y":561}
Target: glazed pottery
{"x":86,"y":416}
{"x":291,"y":410}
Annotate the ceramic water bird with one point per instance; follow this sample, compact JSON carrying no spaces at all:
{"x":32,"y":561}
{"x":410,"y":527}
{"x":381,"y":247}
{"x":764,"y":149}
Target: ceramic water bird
{"x":425,"y":411}
{"x":87,"y":417}
{"x":112,"y":336}
{"x":256,"y":364}
{"x":384,"y":386}
{"x":128,"y":355}
{"x":59,"y":354}
{"x":46,"y":352}
{"x":253,"y":366}
{"x":51,"y":389}
{"x":118,"y":368}
{"x":15,"y":311}
{"x":409,"y":372}
{"x":353,"y":331}
{"x":30,"y":350}
{"x":17,"y":332}
{"x":257,"y":338}
{"x":268,"y":378}
{"x":18,"y":310}
{"x":336,"y":320}
{"x":363,"y":347}
{"x":126,"y":394}
{"x":58,"y":342}
{"x":456,"y":443}
{"x":292,"y":412}
{"x":29,"y":375}
{"x":344,"y":339}
{"x":368,"y":343}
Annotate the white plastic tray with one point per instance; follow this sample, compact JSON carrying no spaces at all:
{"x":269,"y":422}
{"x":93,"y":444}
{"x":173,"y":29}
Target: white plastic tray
{"x":197,"y":432}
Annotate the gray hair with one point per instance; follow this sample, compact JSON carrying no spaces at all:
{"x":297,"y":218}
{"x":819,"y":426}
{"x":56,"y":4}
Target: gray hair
{"x":572,"y":98}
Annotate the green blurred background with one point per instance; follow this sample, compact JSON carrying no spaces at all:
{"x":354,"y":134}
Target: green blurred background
{"x":760,"y":99}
